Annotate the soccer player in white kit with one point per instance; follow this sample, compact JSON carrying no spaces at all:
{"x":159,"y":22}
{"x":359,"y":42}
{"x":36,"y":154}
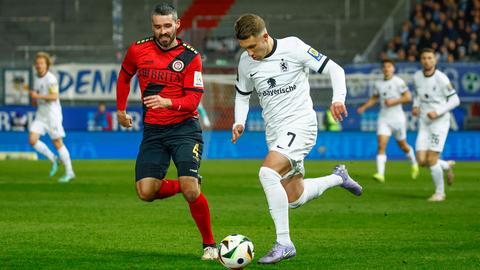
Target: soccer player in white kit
{"x":48,"y":118}
{"x":391,"y":92}
{"x":435,"y":98}
{"x":278,"y":71}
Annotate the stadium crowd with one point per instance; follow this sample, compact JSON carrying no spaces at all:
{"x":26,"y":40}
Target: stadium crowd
{"x":450,"y":27}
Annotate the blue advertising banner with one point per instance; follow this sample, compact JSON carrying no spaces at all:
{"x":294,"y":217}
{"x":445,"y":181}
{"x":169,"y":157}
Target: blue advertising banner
{"x":330,"y":145}
{"x":80,"y":118}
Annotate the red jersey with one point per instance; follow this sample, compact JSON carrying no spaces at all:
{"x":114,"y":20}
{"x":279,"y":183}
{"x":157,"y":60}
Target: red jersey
{"x":175,"y":73}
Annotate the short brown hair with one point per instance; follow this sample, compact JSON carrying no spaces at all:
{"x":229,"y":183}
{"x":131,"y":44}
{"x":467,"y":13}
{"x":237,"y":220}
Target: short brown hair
{"x":387,"y":60}
{"x":249,"y":25}
{"x":427,"y":50}
{"x":45,"y":56}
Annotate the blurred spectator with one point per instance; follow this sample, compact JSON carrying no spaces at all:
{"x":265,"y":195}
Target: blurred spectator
{"x":450,"y":27}
{"x":103,"y":119}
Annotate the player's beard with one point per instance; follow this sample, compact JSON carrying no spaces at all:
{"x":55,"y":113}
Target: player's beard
{"x":166,"y":43}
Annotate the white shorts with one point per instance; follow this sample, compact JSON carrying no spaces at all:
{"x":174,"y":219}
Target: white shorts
{"x":432,"y":136}
{"x":53,"y":128}
{"x":294,"y":143}
{"x":398,"y":129}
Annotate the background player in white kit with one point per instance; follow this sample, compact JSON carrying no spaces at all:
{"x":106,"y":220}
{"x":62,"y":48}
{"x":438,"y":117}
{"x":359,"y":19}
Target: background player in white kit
{"x":435,"y":98}
{"x":392,"y":92}
{"x":278,"y":71}
{"x":48,"y":118}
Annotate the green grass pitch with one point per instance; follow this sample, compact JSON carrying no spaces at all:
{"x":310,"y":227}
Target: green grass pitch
{"x":97,"y":222}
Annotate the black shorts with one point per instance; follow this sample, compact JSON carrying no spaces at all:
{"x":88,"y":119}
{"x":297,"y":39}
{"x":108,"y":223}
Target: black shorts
{"x":181,"y":142}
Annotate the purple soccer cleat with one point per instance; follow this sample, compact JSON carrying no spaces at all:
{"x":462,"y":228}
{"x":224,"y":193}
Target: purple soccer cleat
{"x":348,"y":183}
{"x":278,"y":253}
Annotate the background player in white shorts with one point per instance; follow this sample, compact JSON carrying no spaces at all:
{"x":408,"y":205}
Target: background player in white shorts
{"x":48,"y":118}
{"x":278,"y":71}
{"x":435,"y":98}
{"x":392,"y":92}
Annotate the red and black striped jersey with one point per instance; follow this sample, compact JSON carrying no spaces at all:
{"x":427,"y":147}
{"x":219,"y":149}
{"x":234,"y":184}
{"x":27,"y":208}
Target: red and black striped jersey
{"x":175,"y":73}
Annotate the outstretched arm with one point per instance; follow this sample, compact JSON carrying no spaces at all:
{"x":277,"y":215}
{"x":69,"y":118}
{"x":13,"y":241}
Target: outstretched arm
{"x":370,"y":102}
{"x":337,"y":77}
{"x":404,"y":98}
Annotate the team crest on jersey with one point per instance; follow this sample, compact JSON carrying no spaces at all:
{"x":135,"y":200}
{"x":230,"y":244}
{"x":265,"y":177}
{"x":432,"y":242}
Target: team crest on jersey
{"x":315,"y":54}
{"x":283,"y":65}
{"x":178,"y":65}
{"x":271,"y":83}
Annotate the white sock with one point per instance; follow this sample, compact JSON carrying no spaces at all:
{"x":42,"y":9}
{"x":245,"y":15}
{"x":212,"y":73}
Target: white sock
{"x":411,"y":156}
{"x":314,"y":188}
{"x":444,"y":164}
{"x":43,"y":149}
{"x":381,"y":160}
{"x":277,"y":203}
{"x":437,"y":176}
{"x":65,"y":158}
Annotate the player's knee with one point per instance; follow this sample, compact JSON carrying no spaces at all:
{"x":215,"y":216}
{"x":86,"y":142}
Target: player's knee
{"x":422,"y":162}
{"x":146,"y":195}
{"x":268,"y":176}
{"x":32,"y":141}
{"x":432,"y":161}
{"x":191,"y":195}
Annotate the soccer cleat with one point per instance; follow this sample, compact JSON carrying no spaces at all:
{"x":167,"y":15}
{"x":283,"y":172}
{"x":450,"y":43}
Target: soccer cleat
{"x":66,"y":178}
{"x":54,"y":168}
{"x":414,"y":171}
{"x":437,"y":197}
{"x":450,"y":174}
{"x":379,"y":178}
{"x":210,"y":253}
{"x":278,"y":253}
{"x":348,"y":183}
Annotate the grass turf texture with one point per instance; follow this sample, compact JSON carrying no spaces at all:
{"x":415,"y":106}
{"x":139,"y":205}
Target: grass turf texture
{"x":96,"y":222}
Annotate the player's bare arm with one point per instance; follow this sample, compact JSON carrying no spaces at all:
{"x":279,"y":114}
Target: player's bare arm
{"x":157,"y":102}
{"x":237,"y":131}
{"x":404,"y":98}
{"x":432,"y":115}
{"x":415,"y":111}
{"x":370,"y":102}
{"x":338,"y":109}
{"x":124,"y":119}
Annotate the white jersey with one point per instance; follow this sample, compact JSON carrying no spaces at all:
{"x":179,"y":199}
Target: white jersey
{"x":432,"y":93}
{"x":281,"y":82}
{"x":47,"y":110}
{"x":390,"y":89}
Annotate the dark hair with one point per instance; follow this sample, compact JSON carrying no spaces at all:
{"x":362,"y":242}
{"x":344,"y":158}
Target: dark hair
{"x":249,"y":25}
{"x":165,"y":9}
{"x":384,"y":61}
{"x":427,"y":50}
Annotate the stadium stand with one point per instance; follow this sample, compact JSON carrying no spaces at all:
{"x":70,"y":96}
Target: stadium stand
{"x":450,"y":27}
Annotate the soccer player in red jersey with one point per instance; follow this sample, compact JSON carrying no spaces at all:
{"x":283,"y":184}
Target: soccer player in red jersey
{"x":170,"y":76}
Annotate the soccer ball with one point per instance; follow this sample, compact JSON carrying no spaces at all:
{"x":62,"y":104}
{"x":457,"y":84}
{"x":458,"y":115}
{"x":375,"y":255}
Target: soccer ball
{"x":235,"y":251}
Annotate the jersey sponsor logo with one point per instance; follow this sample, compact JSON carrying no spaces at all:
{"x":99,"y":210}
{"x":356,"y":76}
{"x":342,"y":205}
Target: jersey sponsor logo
{"x":160,"y":75}
{"x":283,"y":65}
{"x":251,"y":75}
{"x":315,"y":54}
{"x":197,"y":79}
{"x":178,"y":65}
{"x":281,"y":90}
